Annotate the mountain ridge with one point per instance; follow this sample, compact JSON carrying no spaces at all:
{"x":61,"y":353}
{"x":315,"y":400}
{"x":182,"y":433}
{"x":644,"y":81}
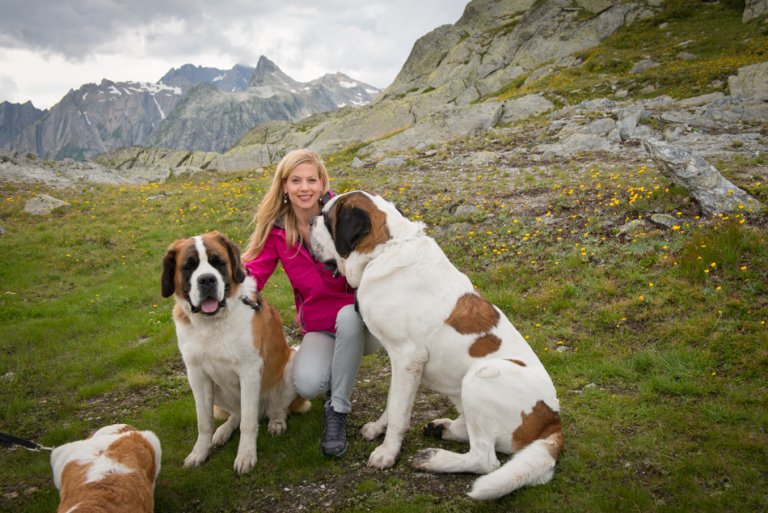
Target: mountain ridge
{"x":98,"y":118}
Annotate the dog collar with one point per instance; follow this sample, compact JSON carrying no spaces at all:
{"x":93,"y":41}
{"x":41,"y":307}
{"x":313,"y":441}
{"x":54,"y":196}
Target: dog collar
{"x":256,"y":305}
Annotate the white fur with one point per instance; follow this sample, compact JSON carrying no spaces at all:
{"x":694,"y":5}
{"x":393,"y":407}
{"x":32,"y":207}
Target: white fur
{"x":225,"y":368}
{"x":407,"y":289}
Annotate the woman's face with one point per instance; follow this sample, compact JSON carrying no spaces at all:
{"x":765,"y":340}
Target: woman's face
{"x":304,"y":187}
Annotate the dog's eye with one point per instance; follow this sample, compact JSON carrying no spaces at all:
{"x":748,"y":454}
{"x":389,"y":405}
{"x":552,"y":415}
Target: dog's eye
{"x":217,"y":262}
{"x":190,"y":265}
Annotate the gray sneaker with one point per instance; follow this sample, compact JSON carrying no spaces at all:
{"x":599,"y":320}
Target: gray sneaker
{"x":334,"y":440}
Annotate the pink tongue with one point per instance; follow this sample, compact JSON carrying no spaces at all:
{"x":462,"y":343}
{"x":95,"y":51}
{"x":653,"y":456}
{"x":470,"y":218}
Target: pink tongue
{"x":209,"y":306}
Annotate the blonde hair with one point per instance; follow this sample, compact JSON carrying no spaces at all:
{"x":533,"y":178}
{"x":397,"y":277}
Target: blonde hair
{"x":273,"y":207}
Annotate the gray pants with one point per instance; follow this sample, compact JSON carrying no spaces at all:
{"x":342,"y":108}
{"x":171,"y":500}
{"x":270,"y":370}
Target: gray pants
{"x":330,"y":362}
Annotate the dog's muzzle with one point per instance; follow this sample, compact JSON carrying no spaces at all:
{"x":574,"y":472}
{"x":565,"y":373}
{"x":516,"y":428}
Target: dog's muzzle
{"x":333,"y":266}
{"x":208,"y":288}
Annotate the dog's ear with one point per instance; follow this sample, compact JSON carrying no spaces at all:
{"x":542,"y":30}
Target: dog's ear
{"x":238,"y":271}
{"x":169,"y":271}
{"x":352,"y":224}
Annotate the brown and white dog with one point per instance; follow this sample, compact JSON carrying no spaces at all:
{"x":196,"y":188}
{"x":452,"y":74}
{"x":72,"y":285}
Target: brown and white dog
{"x":113,"y":471}
{"x":233,"y":346}
{"x":438,"y":330}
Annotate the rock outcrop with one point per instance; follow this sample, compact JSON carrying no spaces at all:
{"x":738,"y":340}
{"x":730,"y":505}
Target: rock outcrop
{"x":702,"y":180}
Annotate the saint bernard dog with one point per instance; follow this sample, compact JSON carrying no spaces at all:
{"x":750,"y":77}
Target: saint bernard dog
{"x":113,"y":471}
{"x":438,"y":330}
{"x":233,"y":346}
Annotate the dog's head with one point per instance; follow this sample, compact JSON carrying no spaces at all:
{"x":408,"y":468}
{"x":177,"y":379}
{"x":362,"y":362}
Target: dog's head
{"x":352,"y":228}
{"x":202,"y":271}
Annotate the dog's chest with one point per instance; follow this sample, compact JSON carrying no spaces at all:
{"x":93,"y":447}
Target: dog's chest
{"x":218,"y":347}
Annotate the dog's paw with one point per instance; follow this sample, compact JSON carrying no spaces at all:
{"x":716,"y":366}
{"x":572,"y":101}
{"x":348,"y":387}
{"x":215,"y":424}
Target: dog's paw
{"x":245,"y":461}
{"x":422,"y":458}
{"x":222,"y":435}
{"x":382,"y":458}
{"x":372,"y":431}
{"x":277,"y":426}
{"x":195,"y":458}
{"x":435,"y":429}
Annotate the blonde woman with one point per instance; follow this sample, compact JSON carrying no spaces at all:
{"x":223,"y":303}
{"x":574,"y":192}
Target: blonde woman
{"x":334,"y":337}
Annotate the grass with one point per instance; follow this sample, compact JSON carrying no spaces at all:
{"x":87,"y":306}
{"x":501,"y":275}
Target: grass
{"x":656,"y":340}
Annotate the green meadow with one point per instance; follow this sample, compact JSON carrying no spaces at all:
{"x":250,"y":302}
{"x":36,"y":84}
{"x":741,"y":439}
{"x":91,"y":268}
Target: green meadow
{"x":656,"y":340}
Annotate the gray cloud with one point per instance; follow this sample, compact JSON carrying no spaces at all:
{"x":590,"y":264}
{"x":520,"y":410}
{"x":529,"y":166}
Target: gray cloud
{"x":306,"y":38}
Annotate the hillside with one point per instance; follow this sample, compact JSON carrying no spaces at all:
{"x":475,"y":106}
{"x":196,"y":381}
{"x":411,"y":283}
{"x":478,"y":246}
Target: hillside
{"x":651,"y":316}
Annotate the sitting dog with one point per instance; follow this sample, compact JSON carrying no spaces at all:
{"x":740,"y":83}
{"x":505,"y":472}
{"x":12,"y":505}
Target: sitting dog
{"x":438,"y":330}
{"x":113,"y":471}
{"x":233,"y":346}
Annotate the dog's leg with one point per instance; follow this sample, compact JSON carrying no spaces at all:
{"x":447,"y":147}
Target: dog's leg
{"x":224,"y":432}
{"x":372,"y":430}
{"x":250,"y":387}
{"x":447,"y":429}
{"x":202,"y":390}
{"x":406,"y":375}
{"x":229,"y":406}
{"x":480,"y":459}
{"x":275,"y":405}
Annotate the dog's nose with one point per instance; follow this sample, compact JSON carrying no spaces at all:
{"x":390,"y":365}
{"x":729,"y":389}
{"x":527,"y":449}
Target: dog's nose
{"x":206,"y":280}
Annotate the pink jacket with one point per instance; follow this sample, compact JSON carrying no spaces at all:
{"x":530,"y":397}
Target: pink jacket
{"x":318,"y":294}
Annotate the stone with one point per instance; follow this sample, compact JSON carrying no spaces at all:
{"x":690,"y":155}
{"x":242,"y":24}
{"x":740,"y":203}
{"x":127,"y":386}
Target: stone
{"x":664,"y":220}
{"x":525,"y":107}
{"x":643,"y":66}
{"x":750,"y":81}
{"x":43,"y":204}
{"x":714,"y":193}
{"x":754,"y":9}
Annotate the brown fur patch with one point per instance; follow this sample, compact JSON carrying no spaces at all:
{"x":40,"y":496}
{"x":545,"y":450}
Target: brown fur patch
{"x":115,"y":492}
{"x":179,"y":315}
{"x":484,"y":345}
{"x":473,"y":314}
{"x":518,"y":362}
{"x":269,"y":340}
{"x":543,"y":423}
{"x":379,"y":230}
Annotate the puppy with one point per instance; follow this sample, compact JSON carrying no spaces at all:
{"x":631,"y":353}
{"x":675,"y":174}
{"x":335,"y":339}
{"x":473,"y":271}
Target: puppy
{"x":113,"y":471}
{"x":438,"y":330}
{"x":232,"y":344}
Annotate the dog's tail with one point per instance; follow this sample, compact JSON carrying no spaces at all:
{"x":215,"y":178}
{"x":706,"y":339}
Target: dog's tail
{"x":532,"y":465}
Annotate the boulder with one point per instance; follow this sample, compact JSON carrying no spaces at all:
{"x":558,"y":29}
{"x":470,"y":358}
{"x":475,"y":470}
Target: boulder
{"x":703,"y":181}
{"x":525,"y":107}
{"x":42,"y":205}
{"x":754,"y":9}
{"x":750,"y":81}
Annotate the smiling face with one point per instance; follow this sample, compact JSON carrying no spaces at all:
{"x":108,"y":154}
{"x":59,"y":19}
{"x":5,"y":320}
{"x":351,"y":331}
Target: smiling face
{"x":304,"y":186}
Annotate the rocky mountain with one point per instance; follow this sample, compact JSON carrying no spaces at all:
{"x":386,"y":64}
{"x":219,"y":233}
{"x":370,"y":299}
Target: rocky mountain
{"x":192,"y":108}
{"x":446,"y":87}
{"x":211,"y":119}
{"x":189,"y":75}
{"x":97,"y":118}
{"x":14,"y":117}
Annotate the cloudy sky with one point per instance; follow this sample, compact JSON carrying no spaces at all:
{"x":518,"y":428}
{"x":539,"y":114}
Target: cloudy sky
{"x":48,"y":47}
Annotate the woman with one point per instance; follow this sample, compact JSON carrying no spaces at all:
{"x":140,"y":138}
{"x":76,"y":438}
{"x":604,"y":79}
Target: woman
{"x":334,"y":336}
